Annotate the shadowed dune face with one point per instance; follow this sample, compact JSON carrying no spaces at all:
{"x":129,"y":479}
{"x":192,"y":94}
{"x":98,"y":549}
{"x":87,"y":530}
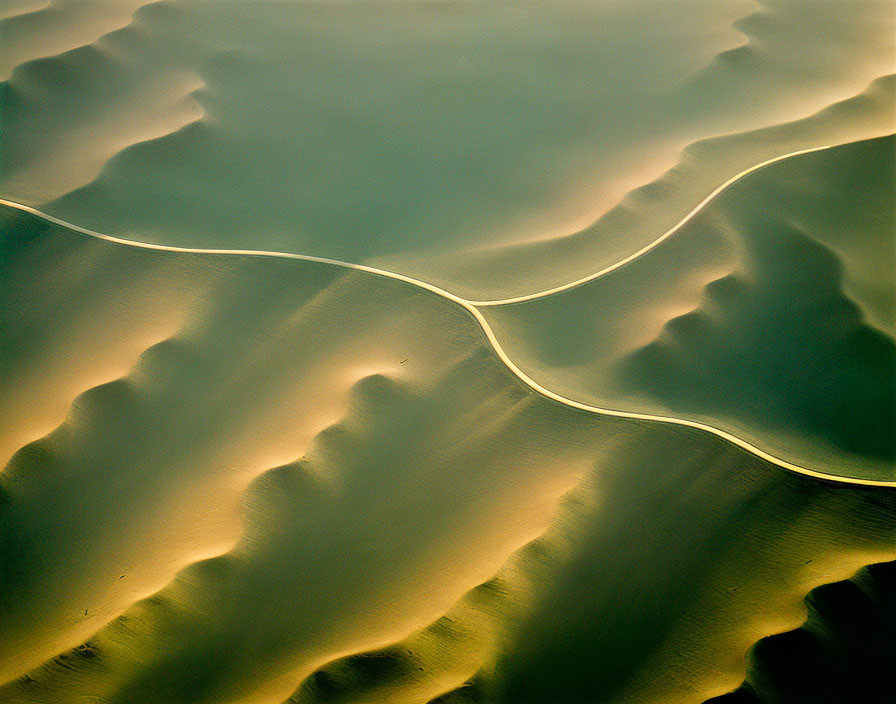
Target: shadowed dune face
{"x":59,"y":290}
{"x":781,"y":45}
{"x":235,"y":478}
{"x":67,"y":114}
{"x":438,"y":129}
{"x":841,"y":653}
{"x":674,"y":586}
{"x":628,"y":583}
{"x":771,"y":313}
{"x":788,"y":349}
{"x":448,"y":653}
{"x":492,"y":272}
{"x":146,"y":473}
{"x":30,"y":29}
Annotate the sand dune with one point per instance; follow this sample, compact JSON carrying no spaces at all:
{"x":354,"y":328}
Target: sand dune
{"x":661,"y":603}
{"x":53,"y":353}
{"x":729,"y":505}
{"x":403,"y":352}
{"x":218,"y":356}
{"x":12,"y":8}
{"x":229,"y":392}
{"x":58,"y":135}
{"x":488,"y":273}
{"x":707,"y":425}
{"x":542,"y":629}
{"x":300,"y":546}
{"x":468,"y":144}
{"x":34,"y":29}
{"x":687,"y":326}
{"x":841,"y":653}
{"x":447,"y":654}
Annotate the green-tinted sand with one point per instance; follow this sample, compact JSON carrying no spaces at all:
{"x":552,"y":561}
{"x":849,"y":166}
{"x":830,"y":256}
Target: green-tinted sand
{"x":234,"y":478}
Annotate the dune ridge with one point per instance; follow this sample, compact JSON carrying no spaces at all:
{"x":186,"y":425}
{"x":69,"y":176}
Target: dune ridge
{"x":12,"y":9}
{"x":656,"y":335}
{"x":91,"y":665}
{"x":451,"y":651}
{"x":490,"y":335}
{"x":64,"y":149}
{"x":550,"y":157}
{"x":691,"y":214}
{"x":59,"y":25}
{"x":652,"y":207}
{"x":485,"y":626}
{"x":840,"y":653}
{"x":305,"y":503}
{"x":460,"y":352}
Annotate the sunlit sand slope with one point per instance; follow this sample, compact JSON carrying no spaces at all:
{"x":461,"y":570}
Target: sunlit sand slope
{"x":66,"y":114}
{"x":770,"y":314}
{"x":648,"y":212}
{"x":654,"y":579}
{"x":430,"y":461}
{"x":268,"y":477}
{"x":31,"y":29}
{"x":843,"y":652}
{"x":314,"y":463}
{"x":396,"y":131}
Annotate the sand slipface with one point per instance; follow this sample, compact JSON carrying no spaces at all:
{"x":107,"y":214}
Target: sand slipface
{"x":773,"y":307}
{"x":451,"y":353}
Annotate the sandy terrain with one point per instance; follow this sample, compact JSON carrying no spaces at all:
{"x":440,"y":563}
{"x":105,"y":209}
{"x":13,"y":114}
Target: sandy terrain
{"x":409,"y":352}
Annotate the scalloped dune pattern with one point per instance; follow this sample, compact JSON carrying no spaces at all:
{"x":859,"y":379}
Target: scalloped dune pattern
{"x":403,"y":352}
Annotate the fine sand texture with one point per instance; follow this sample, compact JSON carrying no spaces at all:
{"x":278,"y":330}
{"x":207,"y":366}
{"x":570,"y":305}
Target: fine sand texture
{"x":416,"y":352}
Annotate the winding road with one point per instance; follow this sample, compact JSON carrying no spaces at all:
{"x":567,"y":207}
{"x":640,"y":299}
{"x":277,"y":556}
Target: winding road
{"x":472,"y":307}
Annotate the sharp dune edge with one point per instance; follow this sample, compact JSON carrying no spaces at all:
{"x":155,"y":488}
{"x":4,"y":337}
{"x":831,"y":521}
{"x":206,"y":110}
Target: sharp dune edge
{"x":447,"y":353}
{"x":37,"y":29}
{"x":848,"y":630}
{"x":739,"y":603}
{"x":13,"y":9}
{"x":473,"y":308}
{"x":233,"y":69}
{"x":657,"y":207}
{"x":718,"y":276}
{"x":498,"y":412}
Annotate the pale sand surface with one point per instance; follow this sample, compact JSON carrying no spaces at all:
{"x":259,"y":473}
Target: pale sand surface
{"x":274,"y":359}
{"x":251,"y":479}
{"x":33,"y":29}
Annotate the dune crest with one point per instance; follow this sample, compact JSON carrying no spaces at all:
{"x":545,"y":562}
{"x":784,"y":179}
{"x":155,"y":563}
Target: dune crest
{"x":461,"y":151}
{"x":58,"y":137}
{"x":840,"y":653}
{"x":453,"y":352}
{"x":496,"y":273}
{"x":46,"y":28}
{"x":686,"y":327}
{"x":299,"y":545}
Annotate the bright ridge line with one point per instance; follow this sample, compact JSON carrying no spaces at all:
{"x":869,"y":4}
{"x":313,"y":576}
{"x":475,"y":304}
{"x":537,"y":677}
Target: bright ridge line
{"x":472,"y":308}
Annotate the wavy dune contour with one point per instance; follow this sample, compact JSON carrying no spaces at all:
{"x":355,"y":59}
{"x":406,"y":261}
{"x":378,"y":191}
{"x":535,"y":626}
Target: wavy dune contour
{"x":403,"y":352}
